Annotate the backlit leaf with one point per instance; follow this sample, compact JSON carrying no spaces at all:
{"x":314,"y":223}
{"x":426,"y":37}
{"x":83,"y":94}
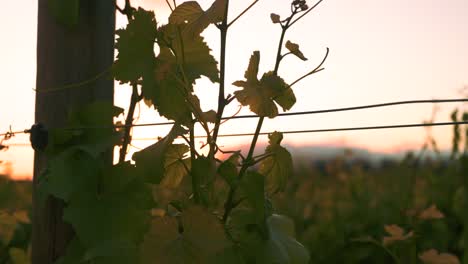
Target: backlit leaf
{"x":187,"y":12}
{"x":151,"y":161}
{"x":175,"y":165}
{"x":275,"y":18}
{"x":196,"y":19}
{"x":294,"y":49}
{"x":135,"y":46}
{"x":396,"y":234}
{"x":278,"y":167}
{"x":431,"y":256}
{"x":195,"y":238}
{"x":260,"y":95}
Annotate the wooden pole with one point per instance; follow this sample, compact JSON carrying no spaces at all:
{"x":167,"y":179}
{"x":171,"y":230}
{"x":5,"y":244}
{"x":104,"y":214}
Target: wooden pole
{"x":67,"y":55}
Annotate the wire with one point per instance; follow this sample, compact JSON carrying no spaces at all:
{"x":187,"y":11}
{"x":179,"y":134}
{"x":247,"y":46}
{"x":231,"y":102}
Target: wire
{"x":353,"y":108}
{"x":333,"y":129}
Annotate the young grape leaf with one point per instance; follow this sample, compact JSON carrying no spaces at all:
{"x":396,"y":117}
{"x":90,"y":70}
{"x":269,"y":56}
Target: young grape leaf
{"x":187,"y":12}
{"x":135,"y":46}
{"x":193,"y":238}
{"x":150,"y":162}
{"x":66,"y":12}
{"x":260,"y":95}
{"x":294,"y":49}
{"x":175,"y":165}
{"x":278,"y":166}
{"x":275,"y":18}
{"x":197,"y":20}
{"x":193,"y":54}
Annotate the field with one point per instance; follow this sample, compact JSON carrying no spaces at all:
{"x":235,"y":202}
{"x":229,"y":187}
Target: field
{"x":345,"y":210}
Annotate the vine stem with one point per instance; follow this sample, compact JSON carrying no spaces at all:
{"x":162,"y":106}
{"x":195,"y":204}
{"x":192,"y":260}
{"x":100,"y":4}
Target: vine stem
{"x":229,"y":205}
{"x":128,"y":122}
{"x":135,"y":98}
{"x":222,"y":102}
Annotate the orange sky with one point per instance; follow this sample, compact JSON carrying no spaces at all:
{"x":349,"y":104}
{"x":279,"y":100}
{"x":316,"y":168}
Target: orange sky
{"x":380,"y":51}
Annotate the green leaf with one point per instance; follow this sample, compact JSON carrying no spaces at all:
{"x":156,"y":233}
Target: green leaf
{"x":173,"y":88}
{"x":168,"y":94}
{"x":203,"y":175}
{"x":118,"y":216}
{"x":277,"y":167}
{"x":96,"y":114}
{"x":245,"y":229}
{"x":294,"y":49}
{"x":70,"y":173}
{"x":66,"y":12}
{"x":260,"y":95}
{"x":228,"y":170}
{"x":282,"y":247}
{"x":195,"y":237}
{"x":275,"y":18}
{"x":252,"y":186}
{"x":135,"y":46}
{"x":175,"y":165}
{"x":150,"y":162}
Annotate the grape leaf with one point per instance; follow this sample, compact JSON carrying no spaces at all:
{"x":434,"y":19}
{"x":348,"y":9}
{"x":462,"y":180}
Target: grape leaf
{"x":175,"y":165}
{"x":194,"y":238}
{"x":115,"y":216}
{"x":66,"y":12}
{"x":275,"y":18}
{"x":70,"y":173}
{"x":172,"y":88}
{"x":93,"y":116}
{"x":197,"y":20}
{"x":203,"y":175}
{"x":277,"y":167}
{"x":228,"y":170}
{"x":294,"y":49}
{"x":260,"y":95}
{"x":150,"y":162}
{"x":187,"y":12}
{"x":252,"y":186}
{"x":282,"y":247}
{"x":135,"y":46}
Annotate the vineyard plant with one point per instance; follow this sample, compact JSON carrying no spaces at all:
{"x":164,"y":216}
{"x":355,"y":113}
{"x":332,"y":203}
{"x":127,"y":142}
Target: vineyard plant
{"x":171,"y":204}
{"x":177,"y":202}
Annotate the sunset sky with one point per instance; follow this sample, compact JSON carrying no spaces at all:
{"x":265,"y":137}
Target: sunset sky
{"x":380,"y":51}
